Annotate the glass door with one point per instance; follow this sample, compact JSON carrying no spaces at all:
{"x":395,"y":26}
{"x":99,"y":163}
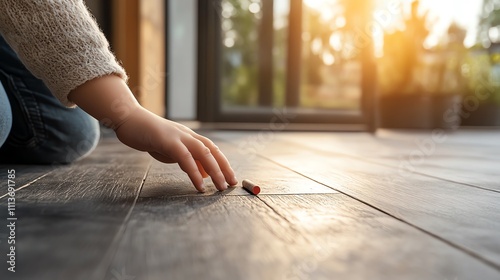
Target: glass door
{"x":311,"y":58}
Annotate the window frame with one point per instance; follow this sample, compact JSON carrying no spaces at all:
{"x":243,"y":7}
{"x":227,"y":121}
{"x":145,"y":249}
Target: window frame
{"x":209,"y":107}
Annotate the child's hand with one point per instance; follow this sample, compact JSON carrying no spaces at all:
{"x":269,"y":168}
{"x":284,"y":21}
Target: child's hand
{"x":108,"y":99}
{"x":171,"y":142}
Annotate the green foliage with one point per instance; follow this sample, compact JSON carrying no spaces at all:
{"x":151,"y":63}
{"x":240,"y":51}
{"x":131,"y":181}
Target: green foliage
{"x":490,"y":17}
{"x":240,"y":62}
{"x":478,"y":70}
{"x":483,"y":64}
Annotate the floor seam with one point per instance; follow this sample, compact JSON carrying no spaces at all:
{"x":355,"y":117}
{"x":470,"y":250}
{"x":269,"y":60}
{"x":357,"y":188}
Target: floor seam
{"x":391,"y":166}
{"x":442,"y":239}
{"x":28,"y":184}
{"x":111,"y":252}
{"x":456,"y":246}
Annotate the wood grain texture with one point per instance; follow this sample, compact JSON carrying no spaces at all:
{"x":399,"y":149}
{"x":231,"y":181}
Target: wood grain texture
{"x":327,"y":236}
{"x":458,"y":157}
{"x":452,"y":158}
{"x":169,"y":180}
{"x":336,"y":207}
{"x":68,"y":219}
{"x":467,"y":217}
{"x":448,"y":156}
{"x":272,"y":178}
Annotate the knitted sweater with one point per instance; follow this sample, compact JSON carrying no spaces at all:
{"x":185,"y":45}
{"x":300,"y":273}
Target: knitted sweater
{"x":59,"y":42}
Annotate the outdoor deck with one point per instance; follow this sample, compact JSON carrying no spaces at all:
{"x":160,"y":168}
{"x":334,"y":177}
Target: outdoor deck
{"x":333,"y":206}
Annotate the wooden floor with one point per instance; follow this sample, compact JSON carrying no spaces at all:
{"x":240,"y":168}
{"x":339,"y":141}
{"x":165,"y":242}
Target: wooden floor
{"x":397,"y":205}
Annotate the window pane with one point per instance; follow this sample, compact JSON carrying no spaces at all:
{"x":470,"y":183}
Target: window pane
{"x":281,"y":12}
{"x":239,"y":54}
{"x":331,"y":72}
{"x":328,"y":69}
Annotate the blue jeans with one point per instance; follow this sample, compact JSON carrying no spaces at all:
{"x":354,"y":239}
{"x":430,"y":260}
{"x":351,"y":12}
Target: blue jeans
{"x":35,"y":128}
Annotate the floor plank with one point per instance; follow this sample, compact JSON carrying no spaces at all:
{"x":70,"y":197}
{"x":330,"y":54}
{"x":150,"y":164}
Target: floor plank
{"x":475,"y":164}
{"x":108,"y":151}
{"x":333,"y":206}
{"x":467,"y":217}
{"x":327,"y":236}
{"x":69,"y":218}
{"x":453,"y":160}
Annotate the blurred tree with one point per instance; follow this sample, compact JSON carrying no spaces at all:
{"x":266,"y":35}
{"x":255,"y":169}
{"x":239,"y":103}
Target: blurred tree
{"x":450,"y":69}
{"x":489,"y":37}
{"x":490,"y":17}
{"x":239,"y":54}
{"x":239,"y":27}
{"x":319,"y":34}
{"x":354,"y":14}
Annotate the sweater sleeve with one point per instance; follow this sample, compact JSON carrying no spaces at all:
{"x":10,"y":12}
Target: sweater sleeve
{"x":59,"y":42}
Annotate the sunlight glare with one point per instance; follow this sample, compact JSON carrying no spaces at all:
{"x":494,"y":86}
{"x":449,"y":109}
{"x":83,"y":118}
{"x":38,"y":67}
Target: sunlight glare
{"x":340,"y":22}
{"x":254,"y":8}
{"x":316,"y":46}
{"x":494,"y":33}
{"x":229,"y":42}
{"x":465,"y":13}
{"x":321,"y":5}
{"x":328,"y":58}
{"x":336,"y":41}
{"x":227,"y":10}
{"x":442,"y":13}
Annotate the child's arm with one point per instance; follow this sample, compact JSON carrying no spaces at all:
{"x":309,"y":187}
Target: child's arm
{"x":60,"y":43}
{"x":110,"y":101}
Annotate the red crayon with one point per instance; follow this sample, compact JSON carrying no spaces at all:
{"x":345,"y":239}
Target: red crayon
{"x":251,"y":187}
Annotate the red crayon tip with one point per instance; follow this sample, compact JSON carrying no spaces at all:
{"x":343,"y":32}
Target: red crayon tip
{"x":256,"y":190}
{"x":251,"y":187}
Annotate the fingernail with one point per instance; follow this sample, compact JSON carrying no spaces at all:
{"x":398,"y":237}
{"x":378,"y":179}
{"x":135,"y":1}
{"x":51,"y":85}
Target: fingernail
{"x":235,"y":181}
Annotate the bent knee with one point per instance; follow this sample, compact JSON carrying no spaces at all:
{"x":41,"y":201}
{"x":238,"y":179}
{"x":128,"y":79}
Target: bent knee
{"x":73,"y":142}
{"x":65,"y":141}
